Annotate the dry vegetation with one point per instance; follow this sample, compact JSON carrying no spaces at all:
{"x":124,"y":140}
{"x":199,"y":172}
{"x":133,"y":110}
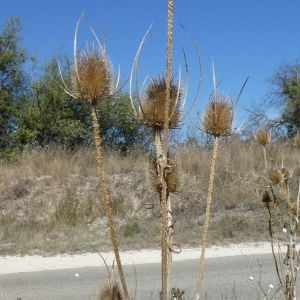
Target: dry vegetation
{"x":50,"y":201}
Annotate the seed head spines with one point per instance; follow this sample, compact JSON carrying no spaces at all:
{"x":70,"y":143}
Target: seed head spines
{"x":263,"y":137}
{"x":92,"y":77}
{"x":217,"y":119}
{"x":152,"y":111}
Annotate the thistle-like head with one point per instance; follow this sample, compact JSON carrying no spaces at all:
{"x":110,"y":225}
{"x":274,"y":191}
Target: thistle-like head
{"x":111,"y":291}
{"x":267,"y":199}
{"x":91,"y":73}
{"x":263,"y":137}
{"x":92,"y":76}
{"x":276,"y":176}
{"x":217,"y":118}
{"x":152,"y":110}
{"x":171,"y":176}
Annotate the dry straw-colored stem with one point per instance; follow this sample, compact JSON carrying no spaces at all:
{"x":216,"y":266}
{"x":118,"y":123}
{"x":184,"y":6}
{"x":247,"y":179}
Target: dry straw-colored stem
{"x":270,"y":227}
{"x":209,"y":202}
{"x":265,"y":157}
{"x":106,"y":199}
{"x":164,"y":215}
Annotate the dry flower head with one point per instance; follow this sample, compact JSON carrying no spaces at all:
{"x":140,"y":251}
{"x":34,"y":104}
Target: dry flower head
{"x":218,"y":116}
{"x":276,"y":176}
{"x":152,"y":111}
{"x":171,"y":176}
{"x":267,"y":199}
{"x":263,"y":137}
{"x":111,"y":291}
{"x":92,"y":77}
{"x":91,"y":73}
{"x":285,"y":174}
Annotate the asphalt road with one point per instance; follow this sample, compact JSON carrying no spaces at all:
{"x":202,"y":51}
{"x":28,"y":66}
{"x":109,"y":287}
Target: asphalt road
{"x":224,"y":278}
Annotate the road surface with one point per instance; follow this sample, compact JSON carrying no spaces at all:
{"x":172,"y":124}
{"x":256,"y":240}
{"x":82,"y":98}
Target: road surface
{"x":224,"y":278}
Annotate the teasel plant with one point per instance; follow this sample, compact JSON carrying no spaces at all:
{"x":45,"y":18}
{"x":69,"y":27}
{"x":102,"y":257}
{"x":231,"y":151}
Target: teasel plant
{"x":111,"y":290}
{"x":160,"y":106}
{"x":216,"y":122}
{"x":281,"y":197}
{"x":263,"y":138}
{"x":161,"y":110}
{"x":92,"y":81}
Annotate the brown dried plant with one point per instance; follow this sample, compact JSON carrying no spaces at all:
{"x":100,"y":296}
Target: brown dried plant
{"x":172,"y":176}
{"x":283,"y":218}
{"x":164,"y":171}
{"x":217,"y":118}
{"x":92,"y":81}
{"x":111,"y":291}
{"x":161,"y":111}
{"x":217,"y":121}
{"x":152,"y":111}
{"x":276,"y":176}
{"x":92,"y":78}
{"x":263,"y":138}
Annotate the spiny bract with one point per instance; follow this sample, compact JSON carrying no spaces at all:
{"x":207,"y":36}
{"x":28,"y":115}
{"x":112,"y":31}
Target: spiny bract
{"x":91,"y":76}
{"x":263,"y":137}
{"x":217,"y":117}
{"x":152,"y":112}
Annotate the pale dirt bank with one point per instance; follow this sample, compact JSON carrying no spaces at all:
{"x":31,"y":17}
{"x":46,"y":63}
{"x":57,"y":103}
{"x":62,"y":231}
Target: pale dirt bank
{"x":18,"y":264}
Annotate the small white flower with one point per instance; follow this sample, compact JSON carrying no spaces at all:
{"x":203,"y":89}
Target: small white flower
{"x":271,"y":286}
{"x":76,"y":275}
{"x":251,"y":278}
{"x":284,"y":230}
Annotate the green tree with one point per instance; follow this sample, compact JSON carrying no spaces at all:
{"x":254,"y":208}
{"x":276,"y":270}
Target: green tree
{"x":119,"y":127}
{"x":12,"y":79}
{"x":48,"y":115}
{"x":285,"y":95}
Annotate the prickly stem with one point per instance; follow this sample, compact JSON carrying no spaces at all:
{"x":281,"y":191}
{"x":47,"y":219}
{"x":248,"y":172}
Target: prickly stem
{"x":209,"y":202}
{"x":106,"y":199}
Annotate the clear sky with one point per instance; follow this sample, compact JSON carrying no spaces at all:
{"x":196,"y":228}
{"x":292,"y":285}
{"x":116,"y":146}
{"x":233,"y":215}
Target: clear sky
{"x":244,"y":38}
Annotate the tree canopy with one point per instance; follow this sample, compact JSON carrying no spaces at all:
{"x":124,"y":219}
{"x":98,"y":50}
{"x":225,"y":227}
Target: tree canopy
{"x":35,"y":110}
{"x":48,"y":116}
{"x":12,"y":79}
{"x":285,"y":96}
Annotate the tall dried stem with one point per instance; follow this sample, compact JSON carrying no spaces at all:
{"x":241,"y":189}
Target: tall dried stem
{"x":209,"y":202}
{"x":106,"y":199}
{"x":164,"y":214}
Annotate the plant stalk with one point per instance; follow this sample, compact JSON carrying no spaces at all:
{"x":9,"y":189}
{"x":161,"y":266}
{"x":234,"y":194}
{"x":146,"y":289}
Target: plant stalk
{"x":164,"y":211}
{"x":209,"y":202}
{"x":106,"y":199}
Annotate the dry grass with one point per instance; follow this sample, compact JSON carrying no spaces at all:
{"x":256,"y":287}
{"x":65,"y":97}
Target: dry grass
{"x":49,"y":198}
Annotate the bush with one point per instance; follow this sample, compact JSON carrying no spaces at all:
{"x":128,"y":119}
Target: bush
{"x":131,"y":229}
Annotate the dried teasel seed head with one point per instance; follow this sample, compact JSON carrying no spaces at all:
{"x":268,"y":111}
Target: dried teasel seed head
{"x":111,"y":291}
{"x":297,"y":139}
{"x":263,"y":137}
{"x":152,"y":112}
{"x":276,"y":176}
{"x":285,"y":174}
{"x":92,"y":76}
{"x":267,"y":199}
{"x":217,"y":119}
{"x":171,"y":176}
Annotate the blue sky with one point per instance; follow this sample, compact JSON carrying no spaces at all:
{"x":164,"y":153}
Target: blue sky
{"x":244,"y":38}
